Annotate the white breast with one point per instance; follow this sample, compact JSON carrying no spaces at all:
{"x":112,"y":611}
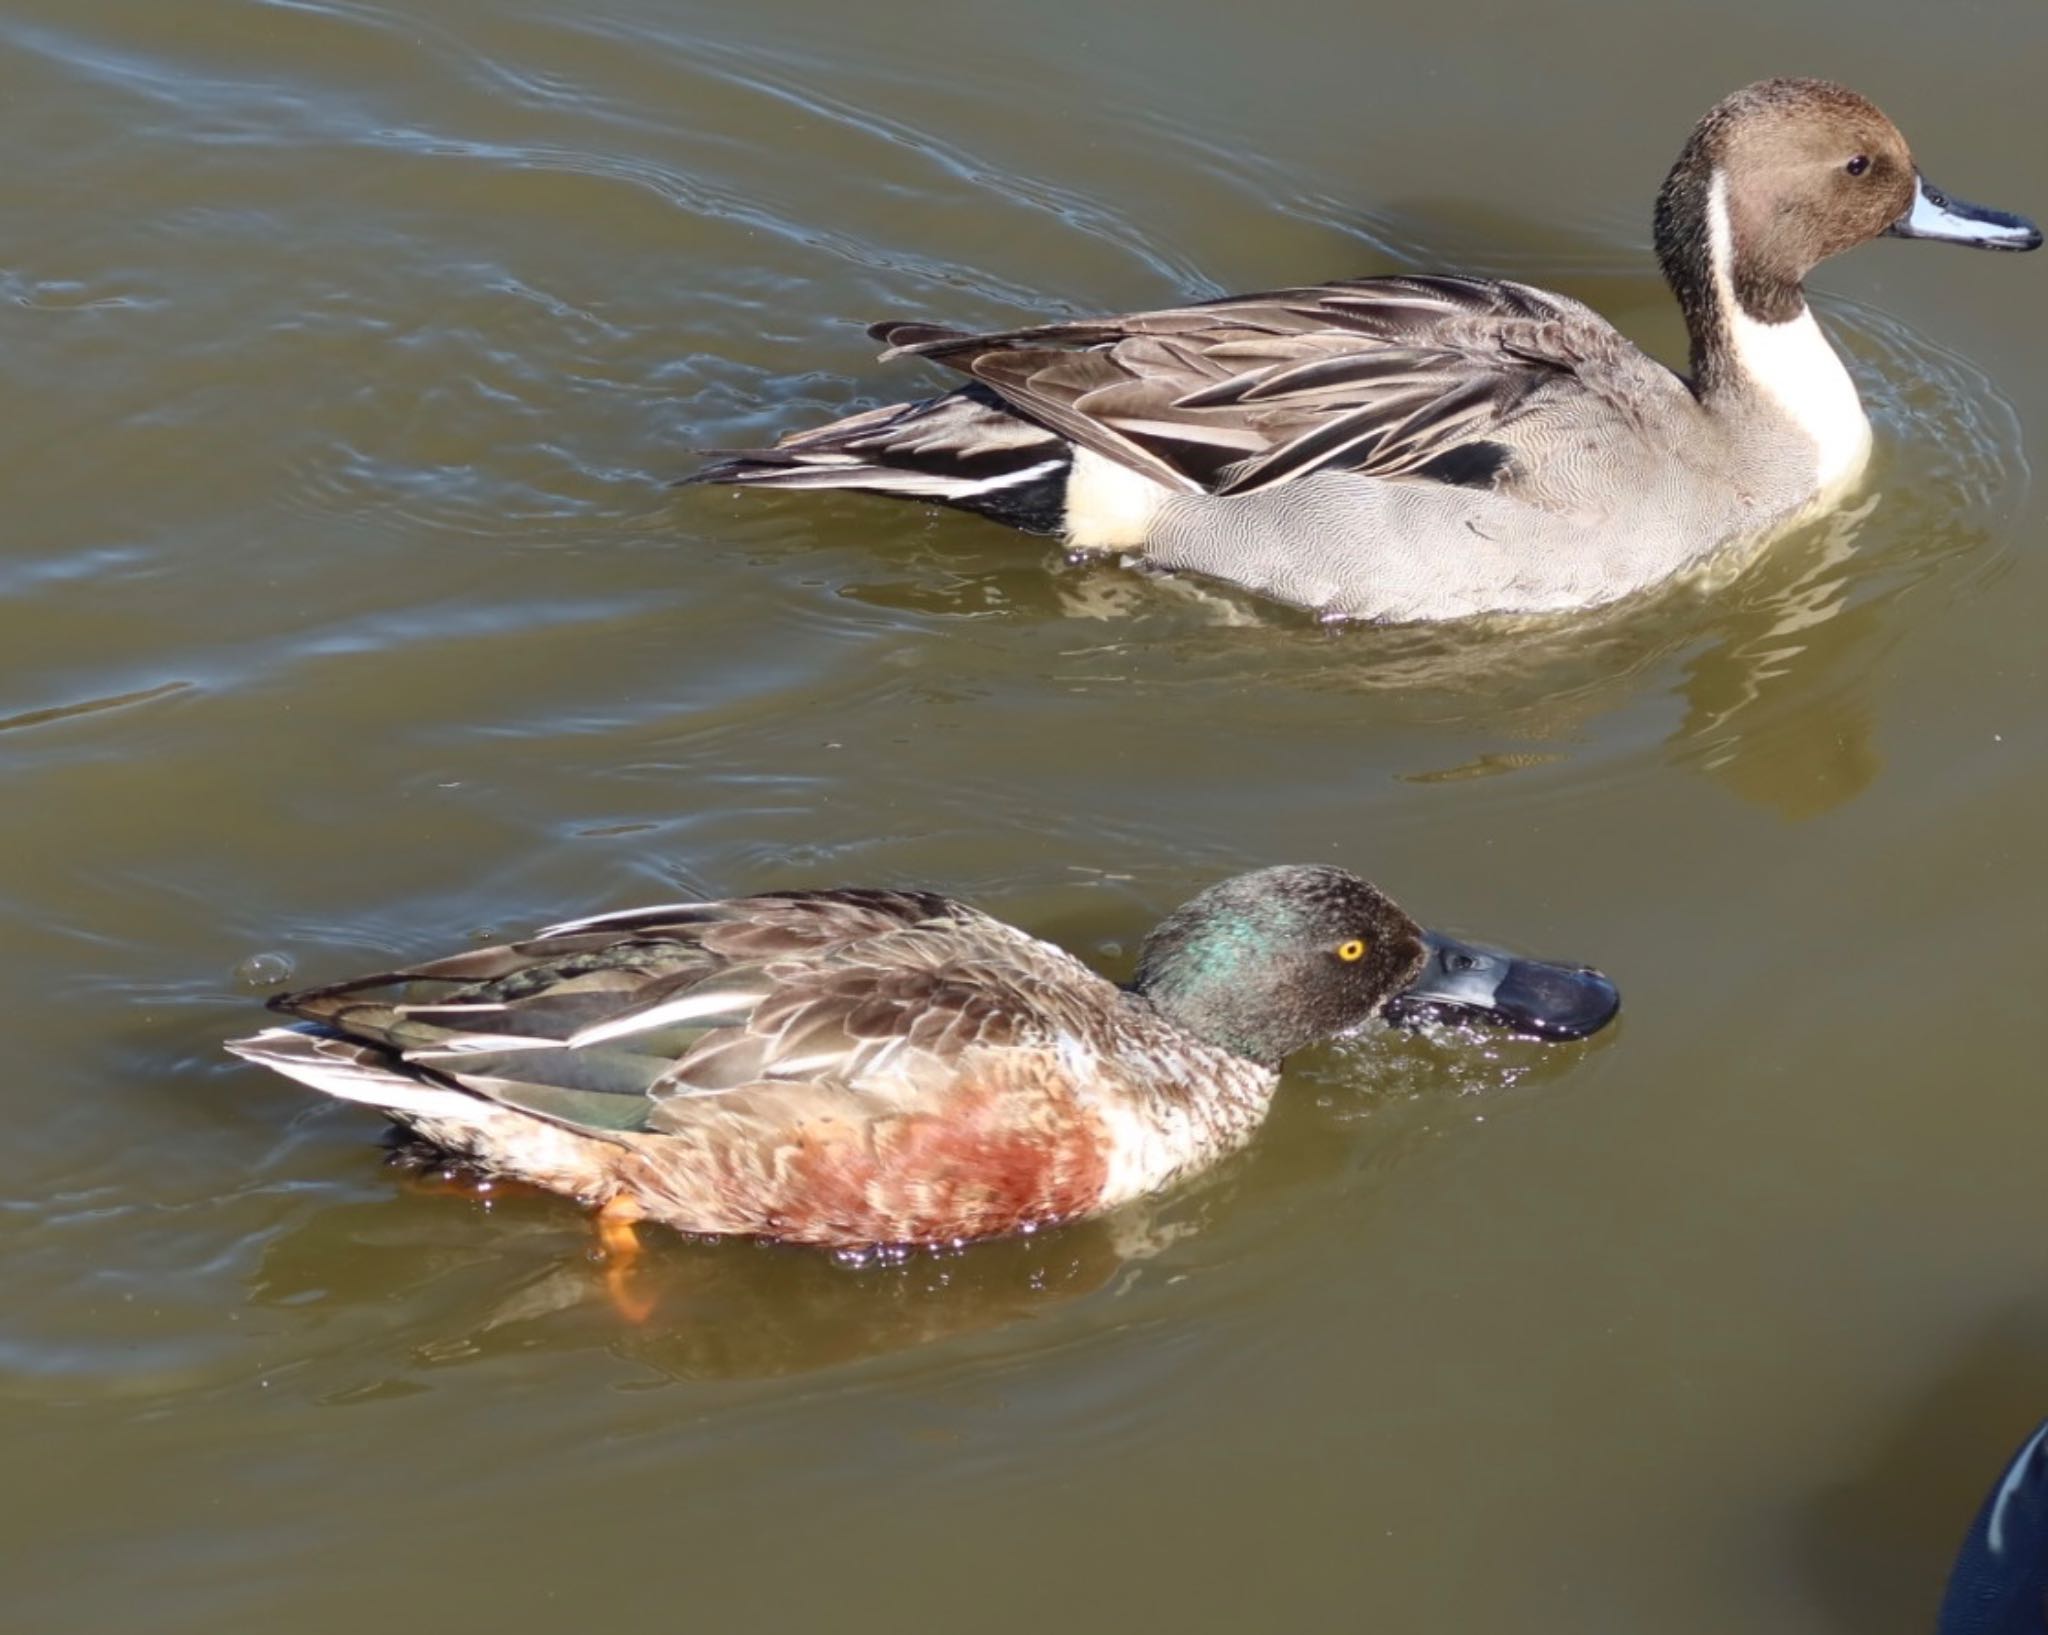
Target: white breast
{"x":1793,"y":365}
{"x":1153,"y":1140}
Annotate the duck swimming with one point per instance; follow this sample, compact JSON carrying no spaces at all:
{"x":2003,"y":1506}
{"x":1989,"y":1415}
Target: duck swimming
{"x":1417,"y":448}
{"x":860,"y":1068}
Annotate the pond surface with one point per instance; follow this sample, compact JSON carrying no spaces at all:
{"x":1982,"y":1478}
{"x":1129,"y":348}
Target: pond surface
{"x":346,"y":616}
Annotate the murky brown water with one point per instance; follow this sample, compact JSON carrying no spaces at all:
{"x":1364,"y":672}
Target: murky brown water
{"x":347,"y":349}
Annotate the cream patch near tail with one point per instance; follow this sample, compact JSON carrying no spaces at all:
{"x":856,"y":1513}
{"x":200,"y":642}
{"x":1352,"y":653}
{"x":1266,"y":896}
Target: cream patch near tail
{"x":1109,"y":507}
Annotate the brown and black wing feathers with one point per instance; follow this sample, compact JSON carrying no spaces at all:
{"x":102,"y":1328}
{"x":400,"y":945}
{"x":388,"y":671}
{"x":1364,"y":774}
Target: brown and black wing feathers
{"x":1390,"y":377}
{"x":624,"y":1021}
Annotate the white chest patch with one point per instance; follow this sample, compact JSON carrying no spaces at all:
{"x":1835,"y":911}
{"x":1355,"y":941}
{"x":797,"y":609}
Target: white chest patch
{"x":1792,"y":364}
{"x":1109,"y":507}
{"x":1155,"y":1138}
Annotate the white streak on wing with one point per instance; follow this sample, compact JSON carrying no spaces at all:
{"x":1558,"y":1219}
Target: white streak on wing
{"x":938,"y":485}
{"x":1422,"y":300}
{"x":883,"y":1058}
{"x":479,"y":1044}
{"x":873,"y":1065}
{"x":2008,"y":1490}
{"x":677,"y":1090}
{"x":817,"y":1061}
{"x":1792,"y":364}
{"x":721,"y":1002}
{"x":297,"y":1056}
{"x":598,"y":922}
{"x":1006,"y":479}
{"x":1184,"y":431}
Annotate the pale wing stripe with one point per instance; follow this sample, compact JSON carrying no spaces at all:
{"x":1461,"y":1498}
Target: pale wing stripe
{"x":688,"y":1008}
{"x":597,"y":922}
{"x":1188,"y":431}
{"x":478,"y":1044}
{"x":294,"y":1054}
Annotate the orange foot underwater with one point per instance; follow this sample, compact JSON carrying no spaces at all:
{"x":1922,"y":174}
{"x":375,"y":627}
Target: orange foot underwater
{"x":620,"y":1246}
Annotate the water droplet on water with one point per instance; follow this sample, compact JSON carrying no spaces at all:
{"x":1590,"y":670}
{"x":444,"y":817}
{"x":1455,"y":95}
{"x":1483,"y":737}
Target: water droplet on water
{"x":265,"y":970}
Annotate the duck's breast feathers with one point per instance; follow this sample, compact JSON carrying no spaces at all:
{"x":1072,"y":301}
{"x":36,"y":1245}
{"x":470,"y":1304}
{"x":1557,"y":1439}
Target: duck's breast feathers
{"x":1421,"y":379}
{"x":632,"y":1021}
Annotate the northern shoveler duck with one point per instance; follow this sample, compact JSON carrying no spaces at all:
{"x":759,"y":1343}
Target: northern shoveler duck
{"x":861,"y":1068}
{"x":1420,"y":448}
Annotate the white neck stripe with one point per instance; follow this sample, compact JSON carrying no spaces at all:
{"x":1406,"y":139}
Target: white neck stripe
{"x":1791,"y":364}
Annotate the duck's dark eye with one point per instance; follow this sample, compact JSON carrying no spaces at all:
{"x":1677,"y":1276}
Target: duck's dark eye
{"x":1858,"y":165}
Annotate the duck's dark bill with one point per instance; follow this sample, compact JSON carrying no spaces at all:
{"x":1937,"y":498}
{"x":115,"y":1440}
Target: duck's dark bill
{"x":1935,"y":214}
{"x":1462,"y":982}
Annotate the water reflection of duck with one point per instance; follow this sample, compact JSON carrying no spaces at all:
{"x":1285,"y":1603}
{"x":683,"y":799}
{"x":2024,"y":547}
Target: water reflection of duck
{"x":1772,"y":676}
{"x":853,"y":1068}
{"x":731,"y":1310}
{"x":1415,"y":448}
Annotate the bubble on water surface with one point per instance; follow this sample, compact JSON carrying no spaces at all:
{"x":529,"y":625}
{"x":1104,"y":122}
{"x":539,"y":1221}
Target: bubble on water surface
{"x":265,"y":970}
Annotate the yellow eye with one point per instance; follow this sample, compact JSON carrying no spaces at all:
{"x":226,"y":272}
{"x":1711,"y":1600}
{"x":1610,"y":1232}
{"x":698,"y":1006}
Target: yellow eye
{"x":1351,"y":952}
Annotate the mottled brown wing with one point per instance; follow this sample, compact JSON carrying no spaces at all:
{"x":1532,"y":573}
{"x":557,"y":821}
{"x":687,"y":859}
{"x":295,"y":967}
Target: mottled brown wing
{"x":1388,"y":377}
{"x":602,"y":1023}
{"x":887,"y":1019}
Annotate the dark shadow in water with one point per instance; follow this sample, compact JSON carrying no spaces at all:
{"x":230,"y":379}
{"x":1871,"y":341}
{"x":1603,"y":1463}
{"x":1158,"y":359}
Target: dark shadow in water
{"x":1877,"y":1547}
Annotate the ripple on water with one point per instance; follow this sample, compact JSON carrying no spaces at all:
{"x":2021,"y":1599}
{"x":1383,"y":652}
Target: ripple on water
{"x":473,"y":724}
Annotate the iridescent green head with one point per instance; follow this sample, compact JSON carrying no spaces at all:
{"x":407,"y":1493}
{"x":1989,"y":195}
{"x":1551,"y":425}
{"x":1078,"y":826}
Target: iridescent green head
{"x":1269,"y":962}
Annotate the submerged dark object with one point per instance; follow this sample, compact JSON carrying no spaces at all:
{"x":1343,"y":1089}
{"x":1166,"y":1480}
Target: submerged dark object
{"x":1999,"y":1585}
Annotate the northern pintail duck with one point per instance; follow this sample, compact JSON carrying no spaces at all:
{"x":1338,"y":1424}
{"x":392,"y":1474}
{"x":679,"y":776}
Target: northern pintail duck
{"x":861,"y":1068}
{"x":1415,"y":448}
